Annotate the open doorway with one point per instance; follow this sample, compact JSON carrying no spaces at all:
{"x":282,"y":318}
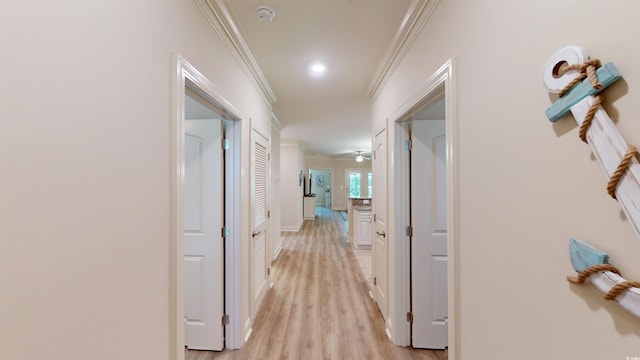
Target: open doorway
{"x":205,"y":216}
{"x":425,"y":191}
{"x":321,"y":185}
{"x":428,"y":224}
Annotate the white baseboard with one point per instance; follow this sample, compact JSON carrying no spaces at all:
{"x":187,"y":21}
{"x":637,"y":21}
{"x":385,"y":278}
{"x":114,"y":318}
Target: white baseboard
{"x":290,"y":228}
{"x":278,"y":250}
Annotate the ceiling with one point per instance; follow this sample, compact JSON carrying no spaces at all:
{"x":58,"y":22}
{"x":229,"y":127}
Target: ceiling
{"x":330,"y":114}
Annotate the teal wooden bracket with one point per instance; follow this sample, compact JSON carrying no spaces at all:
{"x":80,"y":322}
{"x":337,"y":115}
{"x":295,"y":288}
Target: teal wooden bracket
{"x":607,"y":75}
{"x":584,"y":256}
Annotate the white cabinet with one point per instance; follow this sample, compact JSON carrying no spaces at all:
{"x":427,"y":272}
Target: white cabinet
{"x":309,"y":208}
{"x":362,"y":229}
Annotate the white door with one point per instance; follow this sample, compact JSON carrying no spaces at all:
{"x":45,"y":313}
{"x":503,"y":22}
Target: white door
{"x":203,"y":243}
{"x":429,"y":241}
{"x":380,"y":246}
{"x":259,"y":220}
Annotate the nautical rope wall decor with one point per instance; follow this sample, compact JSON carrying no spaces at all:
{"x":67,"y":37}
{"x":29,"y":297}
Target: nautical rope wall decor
{"x":579,"y":80}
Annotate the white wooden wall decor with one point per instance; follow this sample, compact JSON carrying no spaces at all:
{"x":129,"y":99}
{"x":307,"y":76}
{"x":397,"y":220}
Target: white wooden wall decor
{"x":616,"y":158}
{"x":587,"y":261}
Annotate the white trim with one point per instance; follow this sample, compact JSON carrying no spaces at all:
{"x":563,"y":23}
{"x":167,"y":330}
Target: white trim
{"x":221,"y":19}
{"x":290,"y":228}
{"x":233,"y":253}
{"x":275,"y":123}
{"x":432,"y":87}
{"x":415,"y":17}
{"x":277,"y":252}
{"x":401,"y":214}
{"x":185,"y":74}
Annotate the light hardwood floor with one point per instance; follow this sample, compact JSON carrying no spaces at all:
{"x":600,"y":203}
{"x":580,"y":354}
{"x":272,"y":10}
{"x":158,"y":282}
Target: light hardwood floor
{"x":319,"y":306}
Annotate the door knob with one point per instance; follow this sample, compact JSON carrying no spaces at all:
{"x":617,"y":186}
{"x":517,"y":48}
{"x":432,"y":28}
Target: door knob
{"x":381,"y":234}
{"x":255,"y":233}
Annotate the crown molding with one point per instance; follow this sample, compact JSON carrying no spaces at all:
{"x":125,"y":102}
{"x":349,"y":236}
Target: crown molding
{"x":417,"y":14}
{"x":218,"y":15}
{"x":275,"y":123}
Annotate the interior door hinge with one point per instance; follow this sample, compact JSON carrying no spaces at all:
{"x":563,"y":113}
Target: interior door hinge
{"x":225,"y":319}
{"x":374,"y":281}
{"x":268,"y":214}
{"x":374,"y":155}
{"x":225,"y":232}
{"x":410,"y":317}
{"x":226,"y":144}
{"x":409,"y":231}
{"x":268,"y":271}
{"x":408,"y":145}
{"x":269,"y":157}
{"x":374,"y":217}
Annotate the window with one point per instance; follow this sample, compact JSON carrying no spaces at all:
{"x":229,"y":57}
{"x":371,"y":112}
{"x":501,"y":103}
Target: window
{"x":359,"y":183}
{"x":354,"y":184}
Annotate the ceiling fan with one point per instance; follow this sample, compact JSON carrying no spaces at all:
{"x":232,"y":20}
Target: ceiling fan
{"x":360,"y":157}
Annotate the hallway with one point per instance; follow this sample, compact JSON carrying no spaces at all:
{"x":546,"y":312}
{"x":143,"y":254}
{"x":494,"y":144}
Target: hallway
{"x":319,"y":306}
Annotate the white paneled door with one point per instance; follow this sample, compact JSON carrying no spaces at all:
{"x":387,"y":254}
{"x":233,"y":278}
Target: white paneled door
{"x":380,"y":244}
{"x":429,"y":240}
{"x":259,"y":219}
{"x":203,"y":242}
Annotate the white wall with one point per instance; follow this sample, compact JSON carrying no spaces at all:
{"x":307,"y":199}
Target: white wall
{"x":85,"y":171}
{"x":292,"y":162}
{"x":525,"y":185}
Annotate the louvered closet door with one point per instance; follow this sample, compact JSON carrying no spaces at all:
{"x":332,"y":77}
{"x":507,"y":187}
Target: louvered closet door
{"x":259,"y":201}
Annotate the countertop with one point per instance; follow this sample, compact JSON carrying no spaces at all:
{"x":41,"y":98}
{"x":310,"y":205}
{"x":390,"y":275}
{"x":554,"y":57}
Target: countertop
{"x":362,"y":208}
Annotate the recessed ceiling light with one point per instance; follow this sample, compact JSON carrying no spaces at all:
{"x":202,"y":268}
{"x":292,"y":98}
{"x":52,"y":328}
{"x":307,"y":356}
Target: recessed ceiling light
{"x":317,"y":69}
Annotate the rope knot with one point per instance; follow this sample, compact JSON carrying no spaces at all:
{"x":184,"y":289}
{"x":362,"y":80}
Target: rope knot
{"x":585,"y":70}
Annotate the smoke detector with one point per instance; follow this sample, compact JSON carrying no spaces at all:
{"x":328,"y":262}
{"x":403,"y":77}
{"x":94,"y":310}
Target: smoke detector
{"x":265,"y":13}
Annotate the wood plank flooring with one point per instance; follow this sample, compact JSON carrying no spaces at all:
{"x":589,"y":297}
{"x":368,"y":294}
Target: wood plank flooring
{"x":319,"y":306}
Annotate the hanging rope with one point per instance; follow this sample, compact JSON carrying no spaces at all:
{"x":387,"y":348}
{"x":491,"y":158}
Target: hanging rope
{"x":588,"y":118}
{"x":614,"y":291}
{"x":582,"y":275}
{"x":620,"y":171}
{"x":586,"y":70}
{"x":619,"y":288}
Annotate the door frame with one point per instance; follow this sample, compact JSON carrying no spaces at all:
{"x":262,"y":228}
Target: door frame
{"x":442,"y":80}
{"x":330,"y":171}
{"x":185,"y":75}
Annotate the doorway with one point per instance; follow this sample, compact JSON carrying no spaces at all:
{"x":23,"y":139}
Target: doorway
{"x":194,"y":94}
{"x":322,"y":186}
{"x":203,"y":191}
{"x":438,"y":89}
{"x":428,"y":224}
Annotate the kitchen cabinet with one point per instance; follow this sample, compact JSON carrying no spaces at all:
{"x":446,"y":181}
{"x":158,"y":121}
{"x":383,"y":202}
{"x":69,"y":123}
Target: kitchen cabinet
{"x":309,"y":208}
{"x":362,"y":228}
